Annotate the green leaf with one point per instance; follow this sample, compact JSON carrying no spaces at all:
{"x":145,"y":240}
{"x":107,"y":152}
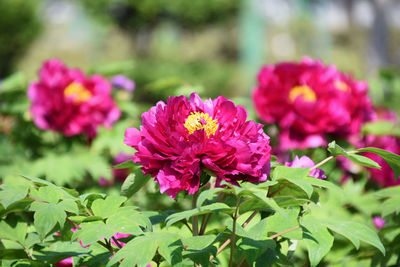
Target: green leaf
{"x":108,"y":206}
{"x":207,"y":195}
{"x":13,"y":254}
{"x":198,"y":242}
{"x":390,"y":206}
{"x":215,"y":207}
{"x":170,"y":248}
{"x":91,"y":232}
{"x":60,"y":250}
{"x":336,"y":150}
{"x":125,"y":165}
{"x":295,"y":176}
{"x":128,"y":221}
{"x":47,"y":216}
{"x":13,"y":228}
{"x":69,"y":205}
{"x":254,"y":248}
{"x":278,"y":223}
{"x":355,"y":232}
{"x":381,"y":128}
{"x":392,"y":159}
{"x":317,"y":238}
{"x":49,"y":194}
{"x":12,"y":193}
{"x":133,"y":183}
{"x":147,"y":245}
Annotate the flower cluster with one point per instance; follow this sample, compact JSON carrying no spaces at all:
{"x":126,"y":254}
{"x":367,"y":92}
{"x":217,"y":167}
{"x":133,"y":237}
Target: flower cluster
{"x":309,"y":101}
{"x":183,"y":137}
{"x":66,"y":101}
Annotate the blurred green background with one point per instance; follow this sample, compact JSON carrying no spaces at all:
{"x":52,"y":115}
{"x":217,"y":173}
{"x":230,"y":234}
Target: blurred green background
{"x":214,"y":46}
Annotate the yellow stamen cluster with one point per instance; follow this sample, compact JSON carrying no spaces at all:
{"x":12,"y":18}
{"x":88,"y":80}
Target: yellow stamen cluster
{"x":199,"y":120}
{"x":304,"y":91}
{"x":342,"y":86}
{"x":78,"y":92}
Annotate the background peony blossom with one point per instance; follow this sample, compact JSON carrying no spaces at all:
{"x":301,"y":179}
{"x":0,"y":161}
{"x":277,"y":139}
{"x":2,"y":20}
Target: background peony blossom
{"x":309,"y":100}
{"x":379,"y":222}
{"x":179,"y":139}
{"x":306,"y":162}
{"x":123,"y":82}
{"x":66,"y":101}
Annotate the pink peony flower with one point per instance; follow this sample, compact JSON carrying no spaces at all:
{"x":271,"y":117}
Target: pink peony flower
{"x":183,"y":137}
{"x":66,"y":101}
{"x":379,"y":222}
{"x":68,"y":262}
{"x":309,"y":100}
{"x":306,"y":162}
{"x":385,"y":176}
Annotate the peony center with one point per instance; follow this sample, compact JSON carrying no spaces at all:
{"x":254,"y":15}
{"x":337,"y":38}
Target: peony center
{"x":304,"y":91}
{"x":199,"y":120}
{"x":342,"y":86}
{"x":78,"y":92}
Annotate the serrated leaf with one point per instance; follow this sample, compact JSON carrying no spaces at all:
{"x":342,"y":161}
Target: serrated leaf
{"x":355,"y":232}
{"x":133,"y":183}
{"x":108,"y":206}
{"x":317,"y":238}
{"x":392,"y":159}
{"x":46,"y":217}
{"x":215,"y":207}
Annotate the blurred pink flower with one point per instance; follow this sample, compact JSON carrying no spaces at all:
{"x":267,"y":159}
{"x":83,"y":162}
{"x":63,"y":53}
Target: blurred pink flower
{"x":123,"y":82}
{"x":66,"y":101}
{"x":379,"y":222}
{"x":121,"y":174}
{"x":309,"y":101}
{"x":385,"y":176}
{"x":306,"y":162}
{"x":183,"y":137}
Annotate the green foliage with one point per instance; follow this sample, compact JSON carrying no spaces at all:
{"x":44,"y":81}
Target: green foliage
{"x":222,"y":213}
{"x":24,"y":31}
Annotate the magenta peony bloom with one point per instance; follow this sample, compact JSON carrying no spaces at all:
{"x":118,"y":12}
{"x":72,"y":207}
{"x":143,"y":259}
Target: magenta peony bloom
{"x":183,"y":137}
{"x":309,"y":100}
{"x":66,"y":101}
{"x":68,"y":262}
{"x":306,"y":162}
{"x":379,"y":222}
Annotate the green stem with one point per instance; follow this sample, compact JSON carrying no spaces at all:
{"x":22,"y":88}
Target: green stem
{"x":233,"y":243}
{"x":322,"y":162}
{"x":195,"y":219}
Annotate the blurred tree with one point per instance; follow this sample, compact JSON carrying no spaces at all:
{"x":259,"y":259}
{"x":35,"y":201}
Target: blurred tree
{"x":19,"y":25}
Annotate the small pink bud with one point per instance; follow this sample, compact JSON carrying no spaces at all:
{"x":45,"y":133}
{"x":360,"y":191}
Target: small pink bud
{"x":379,"y":222}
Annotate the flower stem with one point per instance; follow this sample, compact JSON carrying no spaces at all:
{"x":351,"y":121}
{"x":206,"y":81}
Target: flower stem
{"x":322,"y":162}
{"x":233,"y":243}
{"x":195,"y":219}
